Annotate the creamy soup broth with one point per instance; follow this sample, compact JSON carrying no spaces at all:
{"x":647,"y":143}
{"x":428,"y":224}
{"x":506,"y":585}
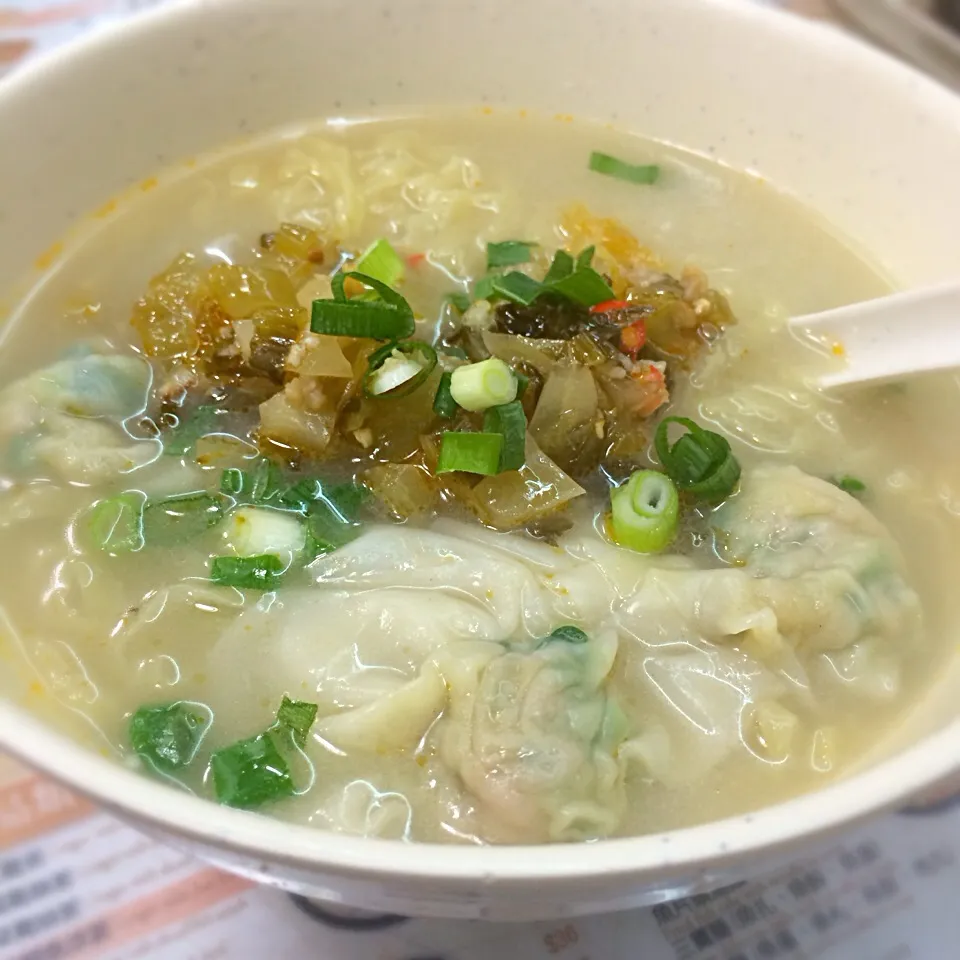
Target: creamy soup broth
{"x":687,"y":702}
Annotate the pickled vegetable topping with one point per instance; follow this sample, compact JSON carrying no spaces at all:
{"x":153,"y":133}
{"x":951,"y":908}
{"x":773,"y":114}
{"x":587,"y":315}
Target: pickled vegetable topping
{"x":312,"y":366}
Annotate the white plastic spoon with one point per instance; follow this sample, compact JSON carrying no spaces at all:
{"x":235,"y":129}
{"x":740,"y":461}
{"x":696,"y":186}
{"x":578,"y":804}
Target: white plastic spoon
{"x":888,"y":338}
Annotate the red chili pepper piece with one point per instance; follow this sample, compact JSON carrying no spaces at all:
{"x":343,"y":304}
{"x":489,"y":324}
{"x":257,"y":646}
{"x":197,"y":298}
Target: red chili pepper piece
{"x":609,"y":305}
{"x":632,"y":338}
{"x":415,"y":259}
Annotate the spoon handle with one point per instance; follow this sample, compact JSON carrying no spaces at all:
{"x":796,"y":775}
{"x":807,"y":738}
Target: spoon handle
{"x":888,"y":338}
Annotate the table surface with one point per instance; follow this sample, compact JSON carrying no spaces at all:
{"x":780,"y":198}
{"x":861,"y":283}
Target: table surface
{"x":76,"y":883}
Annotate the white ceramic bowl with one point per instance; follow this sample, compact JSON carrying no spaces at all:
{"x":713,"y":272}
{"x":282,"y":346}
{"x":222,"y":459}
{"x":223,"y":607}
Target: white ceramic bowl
{"x":871,"y":145}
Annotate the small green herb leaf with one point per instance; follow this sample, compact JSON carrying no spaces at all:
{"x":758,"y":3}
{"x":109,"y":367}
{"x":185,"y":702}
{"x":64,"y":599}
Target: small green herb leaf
{"x":298,"y":716}
{"x":568,"y":633}
{"x":853,"y":486}
{"x":178,"y":519}
{"x":199,"y":422}
{"x":115,"y":525}
{"x":251,"y":772}
{"x":167,"y":736}
{"x":265,"y":572}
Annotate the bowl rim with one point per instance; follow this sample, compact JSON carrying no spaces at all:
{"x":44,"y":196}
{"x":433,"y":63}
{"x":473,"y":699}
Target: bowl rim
{"x":768,"y":830}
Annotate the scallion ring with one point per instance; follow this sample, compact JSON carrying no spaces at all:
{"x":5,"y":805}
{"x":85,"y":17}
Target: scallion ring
{"x":387,"y":294}
{"x":489,"y":383}
{"x":386,"y":318}
{"x":645,"y":511}
{"x":700,"y":463}
{"x":397,"y":369}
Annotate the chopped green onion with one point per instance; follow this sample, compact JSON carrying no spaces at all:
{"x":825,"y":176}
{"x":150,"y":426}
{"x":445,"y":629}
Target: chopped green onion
{"x":700,"y":462}
{"x":585,"y":257}
{"x":612,"y":167}
{"x":645,"y":512}
{"x":510,"y":422}
{"x":470,"y":453}
{"x":460,"y":300}
{"x":266,"y":481}
{"x":381,"y":262}
{"x":567,"y":277}
{"x":561,"y":267}
{"x":389,"y":318}
{"x":168,"y":736}
{"x":443,"y":403}
{"x":252,"y":573}
{"x":115,"y":525}
{"x":489,"y":383}
{"x":853,"y":486}
{"x":327,"y":508}
{"x":518,"y":287}
{"x":397,"y":369}
{"x":328,"y":534}
{"x":298,"y":496}
{"x":523,"y":382}
{"x":232,"y":481}
{"x":483,"y":288}
{"x":568,"y":633}
{"x":198,"y":423}
{"x":333,"y":520}
{"x":177,"y":519}
{"x":584,"y":286}
{"x":384,"y":291}
{"x":298,"y":716}
{"x":347,"y":499}
{"x":360,"y":318}
{"x":251,"y":772}
{"x":508,"y":253}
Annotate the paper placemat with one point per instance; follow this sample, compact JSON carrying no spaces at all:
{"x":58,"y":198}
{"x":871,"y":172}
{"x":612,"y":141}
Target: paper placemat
{"x":77,"y":884}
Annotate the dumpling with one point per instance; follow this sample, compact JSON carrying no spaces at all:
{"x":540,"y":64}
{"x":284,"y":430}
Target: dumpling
{"x":526,"y":586}
{"x":817,"y":600}
{"x":92,"y":385}
{"x":393,"y":722}
{"x":383,"y":604}
{"x":784,"y":522}
{"x":533,"y":736}
{"x":69,"y":417}
{"x":691,"y":672}
{"x":825,"y":565}
{"x":430,"y":643}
